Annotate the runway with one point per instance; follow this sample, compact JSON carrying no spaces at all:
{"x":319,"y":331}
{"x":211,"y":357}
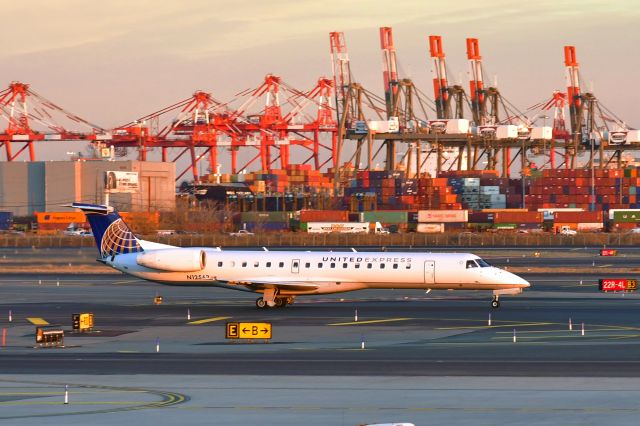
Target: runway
{"x":418,"y":348}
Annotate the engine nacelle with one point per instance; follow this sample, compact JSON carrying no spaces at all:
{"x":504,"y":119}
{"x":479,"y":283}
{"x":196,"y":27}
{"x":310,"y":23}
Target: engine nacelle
{"x":174,"y":260}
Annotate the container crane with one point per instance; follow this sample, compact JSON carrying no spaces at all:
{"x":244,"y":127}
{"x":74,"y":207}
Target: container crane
{"x":32,"y":118}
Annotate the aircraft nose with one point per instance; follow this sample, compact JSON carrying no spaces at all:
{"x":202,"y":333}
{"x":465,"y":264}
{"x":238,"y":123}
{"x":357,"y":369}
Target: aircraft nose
{"x":519,"y":280}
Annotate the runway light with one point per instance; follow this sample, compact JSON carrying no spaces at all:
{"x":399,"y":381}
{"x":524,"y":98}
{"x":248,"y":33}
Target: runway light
{"x":362,"y":342}
{"x":188,"y":314}
{"x":58,"y":283}
{"x":514,"y":336}
{"x":355,"y":316}
{"x":157,"y":344}
{"x":570,"y":325}
{"x":4,"y":337}
{"x":489,"y":322}
{"x":10,"y":316}
{"x":582,"y":329}
{"x":39,"y":282}
{"x":66,"y":394}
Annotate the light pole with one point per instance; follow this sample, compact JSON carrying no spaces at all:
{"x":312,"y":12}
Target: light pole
{"x":593,"y":172}
{"x":522,"y":175}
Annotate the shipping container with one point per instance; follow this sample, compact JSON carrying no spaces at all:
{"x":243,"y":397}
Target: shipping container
{"x":385,"y":216}
{"x":266,"y":226}
{"x":489,"y":190}
{"x":430,"y":228}
{"x":6,"y":220}
{"x":580,"y":216}
{"x":624,"y":215}
{"x":324,"y":216}
{"x":247,"y":217}
{"x":518,"y":217}
{"x":442,"y":216}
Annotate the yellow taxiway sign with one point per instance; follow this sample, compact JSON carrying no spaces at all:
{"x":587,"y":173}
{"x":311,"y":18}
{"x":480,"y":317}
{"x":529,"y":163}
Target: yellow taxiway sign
{"x":248,"y":330}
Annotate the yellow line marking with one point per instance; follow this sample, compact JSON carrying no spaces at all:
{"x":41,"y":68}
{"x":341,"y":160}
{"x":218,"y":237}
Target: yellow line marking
{"x":37,"y":321}
{"x":206,"y":320}
{"x":370,"y":321}
{"x":533,"y":324}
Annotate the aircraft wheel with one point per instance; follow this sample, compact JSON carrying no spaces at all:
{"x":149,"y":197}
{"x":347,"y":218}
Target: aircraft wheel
{"x":281,"y":302}
{"x":495,"y":304}
{"x":261,"y":303}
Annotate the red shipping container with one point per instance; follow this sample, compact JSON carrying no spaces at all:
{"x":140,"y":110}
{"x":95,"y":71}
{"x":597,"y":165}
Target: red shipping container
{"x":324,"y":216}
{"x":587,"y":217}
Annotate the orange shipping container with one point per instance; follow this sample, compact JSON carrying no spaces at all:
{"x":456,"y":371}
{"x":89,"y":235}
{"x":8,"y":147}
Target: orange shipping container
{"x":518,"y":217}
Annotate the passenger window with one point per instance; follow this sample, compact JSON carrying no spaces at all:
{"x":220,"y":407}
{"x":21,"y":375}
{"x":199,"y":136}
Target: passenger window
{"x":333,"y":265}
{"x":357,"y":266}
{"x":268,"y":264}
{"x":219,"y":264}
{"x":344,"y":265}
{"x":244,"y":264}
{"x":256,"y":264}
{"x":307,"y":265}
{"x":408,"y":266}
{"x":369,"y":266}
{"x":382,"y":266}
{"x":320,"y":265}
{"x":471,"y":264}
{"x":233,"y":264}
{"x":281,"y":264}
{"x":295,"y":264}
{"x":395,"y":266}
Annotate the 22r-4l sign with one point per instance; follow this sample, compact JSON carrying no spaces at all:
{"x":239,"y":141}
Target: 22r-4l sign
{"x":248,"y":330}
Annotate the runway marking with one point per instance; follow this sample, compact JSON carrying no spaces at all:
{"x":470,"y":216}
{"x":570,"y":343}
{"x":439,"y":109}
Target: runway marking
{"x":572,"y":336}
{"x":207,"y":320}
{"x":166,"y":399}
{"x":74,"y":402}
{"x":128,"y":352}
{"x":370,"y":321}
{"x":126,"y":282}
{"x":37,"y":321}
{"x":480,"y":327}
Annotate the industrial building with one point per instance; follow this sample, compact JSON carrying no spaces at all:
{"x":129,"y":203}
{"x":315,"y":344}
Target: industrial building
{"x":45,"y":186}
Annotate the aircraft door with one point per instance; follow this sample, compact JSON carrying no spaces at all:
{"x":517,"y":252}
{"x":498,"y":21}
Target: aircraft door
{"x":429,"y":272}
{"x":295,"y":266}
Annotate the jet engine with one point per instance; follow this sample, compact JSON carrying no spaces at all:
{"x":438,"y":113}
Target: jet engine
{"x":173,"y":260}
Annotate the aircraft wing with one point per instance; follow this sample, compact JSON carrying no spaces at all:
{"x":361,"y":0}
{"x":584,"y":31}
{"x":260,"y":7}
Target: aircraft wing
{"x":262,"y":284}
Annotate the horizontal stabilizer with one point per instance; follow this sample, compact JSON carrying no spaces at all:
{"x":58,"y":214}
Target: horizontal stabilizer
{"x":91,"y":208}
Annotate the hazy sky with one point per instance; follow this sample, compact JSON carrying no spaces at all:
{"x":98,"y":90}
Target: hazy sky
{"x":113,"y":61}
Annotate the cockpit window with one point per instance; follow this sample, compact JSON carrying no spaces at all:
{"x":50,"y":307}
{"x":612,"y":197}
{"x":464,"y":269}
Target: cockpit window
{"x":483,"y":263}
{"x":471,"y":264}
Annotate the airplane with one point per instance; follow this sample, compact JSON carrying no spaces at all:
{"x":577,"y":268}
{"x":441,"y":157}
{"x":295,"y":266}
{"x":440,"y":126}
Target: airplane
{"x":281,"y":276}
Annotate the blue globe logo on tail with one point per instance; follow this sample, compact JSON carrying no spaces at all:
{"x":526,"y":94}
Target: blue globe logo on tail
{"x":112,"y":235}
{"x":118,"y":239}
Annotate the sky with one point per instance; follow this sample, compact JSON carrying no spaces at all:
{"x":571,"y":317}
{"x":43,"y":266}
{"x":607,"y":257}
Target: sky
{"x":113,"y":61}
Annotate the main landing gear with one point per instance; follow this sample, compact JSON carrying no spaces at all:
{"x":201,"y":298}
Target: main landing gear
{"x":278,"y":302}
{"x":495,"y":303}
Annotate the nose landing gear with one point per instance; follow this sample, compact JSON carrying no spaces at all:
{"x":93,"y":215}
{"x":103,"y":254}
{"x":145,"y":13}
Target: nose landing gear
{"x":495,"y":303}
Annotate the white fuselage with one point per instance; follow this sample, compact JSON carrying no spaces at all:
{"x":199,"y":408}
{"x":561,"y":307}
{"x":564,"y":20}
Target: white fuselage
{"x":331,"y":272}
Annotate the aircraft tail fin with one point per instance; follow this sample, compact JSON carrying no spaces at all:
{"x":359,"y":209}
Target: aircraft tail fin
{"x":111,"y":234}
